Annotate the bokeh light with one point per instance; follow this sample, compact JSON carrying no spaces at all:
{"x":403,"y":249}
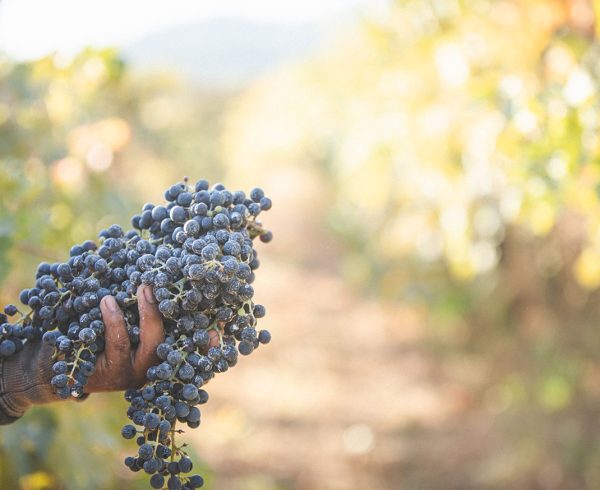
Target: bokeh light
{"x":433,"y":284}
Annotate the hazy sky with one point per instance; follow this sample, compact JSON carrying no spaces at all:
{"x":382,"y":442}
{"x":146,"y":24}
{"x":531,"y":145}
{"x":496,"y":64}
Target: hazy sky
{"x":31,"y":28}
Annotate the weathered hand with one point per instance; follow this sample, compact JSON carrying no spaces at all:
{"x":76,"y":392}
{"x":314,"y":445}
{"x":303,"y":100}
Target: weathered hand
{"x":119,"y":367}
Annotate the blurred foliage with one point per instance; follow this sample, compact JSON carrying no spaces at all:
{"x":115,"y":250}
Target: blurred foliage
{"x":456,"y":153}
{"x":71,"y":127}
{"x":60,"y":447}
{"x":458,"y":145}
{"x":437,"y":126}
{"x":68,"y":128}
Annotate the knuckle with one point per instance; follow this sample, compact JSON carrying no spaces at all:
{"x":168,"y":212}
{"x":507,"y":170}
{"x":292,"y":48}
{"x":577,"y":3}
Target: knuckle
{"x":111,"y":320}
{"x":149,"y":318}
{"x":121,"y":345}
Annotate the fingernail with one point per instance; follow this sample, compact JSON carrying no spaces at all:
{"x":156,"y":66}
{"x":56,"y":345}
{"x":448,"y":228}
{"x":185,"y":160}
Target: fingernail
{"x":111,"y":303}
{"x":148,"y":295}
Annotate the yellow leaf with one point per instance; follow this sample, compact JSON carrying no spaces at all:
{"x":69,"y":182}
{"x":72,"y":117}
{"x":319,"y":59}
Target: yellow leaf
{"x":596,"y":8}
{"x":587,"y":268}
{"x":39,"y":480}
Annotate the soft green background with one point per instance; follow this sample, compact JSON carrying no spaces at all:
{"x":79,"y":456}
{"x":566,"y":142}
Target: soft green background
{"x":441,"y":159}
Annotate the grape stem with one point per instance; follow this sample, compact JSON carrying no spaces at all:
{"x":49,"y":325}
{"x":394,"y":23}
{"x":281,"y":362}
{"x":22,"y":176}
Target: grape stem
{"x":173,"y":442}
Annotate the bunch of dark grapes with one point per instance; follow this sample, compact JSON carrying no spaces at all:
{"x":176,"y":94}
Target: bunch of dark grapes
{"x":196,"y":251}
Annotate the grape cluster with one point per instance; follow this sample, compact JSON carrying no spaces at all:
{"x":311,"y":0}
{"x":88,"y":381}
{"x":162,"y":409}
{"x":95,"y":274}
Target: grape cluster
{"x":196,"y":252}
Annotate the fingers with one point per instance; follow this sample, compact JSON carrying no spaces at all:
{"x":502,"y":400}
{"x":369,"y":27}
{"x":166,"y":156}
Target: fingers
{"x":213,"y":341}
{"x":117,"y":357}
{"x":151,"y":332}
{"x":214,"y":338}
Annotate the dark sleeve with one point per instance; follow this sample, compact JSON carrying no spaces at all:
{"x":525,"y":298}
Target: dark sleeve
{"x":25,"y":381}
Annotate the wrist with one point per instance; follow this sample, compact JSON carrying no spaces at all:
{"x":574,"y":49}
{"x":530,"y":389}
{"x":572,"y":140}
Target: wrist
{"x":25,"y":379}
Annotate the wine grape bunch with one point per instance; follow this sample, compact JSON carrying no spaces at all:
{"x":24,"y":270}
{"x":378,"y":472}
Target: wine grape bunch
{"x":196,"y":252}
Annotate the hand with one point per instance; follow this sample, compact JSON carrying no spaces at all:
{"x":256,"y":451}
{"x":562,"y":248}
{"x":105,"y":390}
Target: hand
{"x":119,"y":367}
{"x":25,"y":378}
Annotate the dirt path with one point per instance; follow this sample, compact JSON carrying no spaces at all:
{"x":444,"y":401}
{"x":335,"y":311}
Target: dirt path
{"x":344,"y":397}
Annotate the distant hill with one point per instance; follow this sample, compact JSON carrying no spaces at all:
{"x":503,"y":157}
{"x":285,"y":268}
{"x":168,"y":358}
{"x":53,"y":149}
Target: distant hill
{"x":226,"y":51}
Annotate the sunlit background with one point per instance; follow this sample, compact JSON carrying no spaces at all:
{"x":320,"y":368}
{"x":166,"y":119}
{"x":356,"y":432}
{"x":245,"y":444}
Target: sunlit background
{"x":433,"y":286}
